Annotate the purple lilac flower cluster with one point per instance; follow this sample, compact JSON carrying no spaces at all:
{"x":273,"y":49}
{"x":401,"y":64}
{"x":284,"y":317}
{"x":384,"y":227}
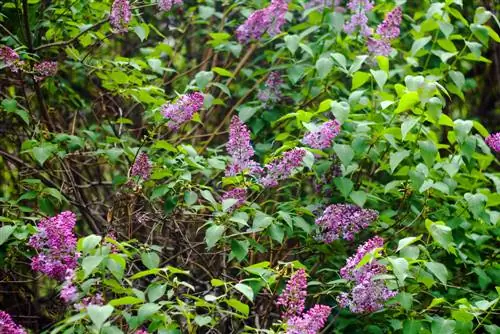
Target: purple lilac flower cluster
{"x":56,"y":245}
{"x":142,"y":166}
{"x":269,"y":19}
{"x":322,"y":138}
{"x":69,"y":292}
{"x":283,"y":167}
{"x":45,"y":69}
{"x":166,"y":5}
{"x":493,"y":141}
{"x":10,"y":58}
{"x":368,"y":294}
{"x":8,"y":326}
{"x":90,"y":300}
{"x":240,"y":149}
{"x":293,"y":299}
{"x":183,"y":109}
{"x":272,"y":91}
{"x":323,"y":4}
{"x":120,"y":15}
{"x":239,"y":194}
{"x":387,"y":30}
{"x":344,"y":221}
{"x":359,"y":8}
{"x":310,"y":322}
{"x":141,"y":331}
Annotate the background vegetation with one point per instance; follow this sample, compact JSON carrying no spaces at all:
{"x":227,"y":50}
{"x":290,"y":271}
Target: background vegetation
{"x":170,"y":251}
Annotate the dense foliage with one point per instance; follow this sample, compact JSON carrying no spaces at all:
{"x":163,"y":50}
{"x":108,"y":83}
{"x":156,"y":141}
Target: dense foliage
{"x":282,"y":166}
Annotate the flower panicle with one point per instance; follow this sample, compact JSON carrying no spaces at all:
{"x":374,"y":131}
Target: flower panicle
{"x":182,"y":110}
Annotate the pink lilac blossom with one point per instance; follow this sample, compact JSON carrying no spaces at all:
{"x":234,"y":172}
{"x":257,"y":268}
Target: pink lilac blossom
{"x":379,"y":47}
{"x":69,"y":292}
{"x":166,"y":5}
{"x":91,"y":300}
{"x":183,"y":109}
{"x":293,"y":297}
{"x":322,"y":138}
{"x":282,"y":168}
{"x":142,"y":166}
{"x":45,"y":69}
{"x":344,"y":221}
{"x":120,"y":15}
{"x":272,"y":91}
{"x":56,"y":245}
{"x":309,"y":323}
{"x":8,"y":326}
{"x":239,"y":194}
{"x":387,"y":30}
{"x":141,"y":331}
{"x":493,"y":141}
{"x":269,"y":19}
{"x":240,"y":149}
{"x":10,"y":58}
{"x":347,"y":272}
{"x":359,"y":18}
{"x":368,"y":294}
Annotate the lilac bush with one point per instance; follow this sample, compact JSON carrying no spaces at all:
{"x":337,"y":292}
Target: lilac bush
{"x":166,"y":164}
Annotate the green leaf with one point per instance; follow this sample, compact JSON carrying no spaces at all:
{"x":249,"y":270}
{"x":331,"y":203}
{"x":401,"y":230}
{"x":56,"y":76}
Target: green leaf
{"x":5,"y":232}
{"x":359,"y":197}
{"x":324,"y":66}
{"x":245,"y":290}
{"x":276,"y":232}
{"x":90,"y":242}
{"x":151,"y":260}
{"x":147,"y":310}
{"x":261,"y":221}
{"x":129,"y":300}
{"x":442,"y":326}
{"x":345,"y":185}
{"x":412,"y":326}
{"x":43,"y":152}
{"x":292,"y":43}
{"x":359,"y":79}
{"x":238,"y":306}
{"x":201,"y":320}
{"x":428,"y":150}
{"x":213,"y":234}
{"x":119,"y":77}
{"x":407,"y":241}
{"x":190,"y":197}
{"x":458,"y":78}
{"x":418,"y":44}
{"x":439,"y":270}
{"x":239,"y":248}
{"x":356,"y":64}
{"x":407,"y":101}
{"x":380,"y":77}
{"x":10,"y":105}
{"x":156,"y":291}
{"x":344,"y":153}
{"x":396,"y":158}
{"x":202,"y":79}
{"x":89,"y":263}
{"x":99,"y":314}
{"x":142,"y":31}
{"x":400,"y":269}
{"x":223,"y":72}
{"x":407,"y":125}
{"x":441,"y":234}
